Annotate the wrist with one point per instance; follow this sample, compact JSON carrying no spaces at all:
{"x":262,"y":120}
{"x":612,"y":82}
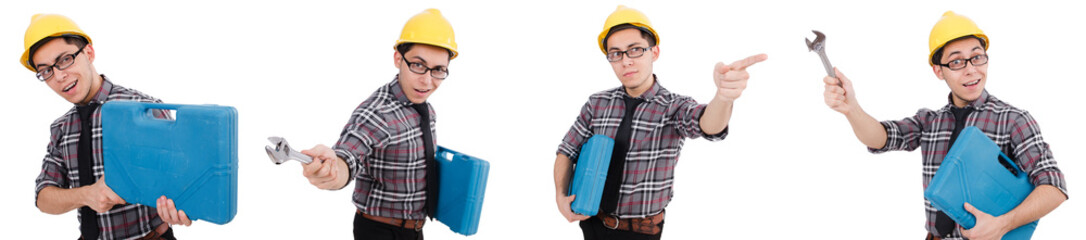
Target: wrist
{"x":82,"y":196}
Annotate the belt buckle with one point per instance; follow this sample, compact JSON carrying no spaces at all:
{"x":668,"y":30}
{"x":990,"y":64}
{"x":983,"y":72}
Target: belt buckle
{"x":418,"y":225}
{"x":616,"y":223}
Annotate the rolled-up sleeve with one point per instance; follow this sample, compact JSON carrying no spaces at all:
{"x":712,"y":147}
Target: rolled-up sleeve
{"x":688,"y":120}
{"x":53,"y":169}
{"x":578,"y":133}
{"x":904,"y":134}
{"x":1033,"y":154}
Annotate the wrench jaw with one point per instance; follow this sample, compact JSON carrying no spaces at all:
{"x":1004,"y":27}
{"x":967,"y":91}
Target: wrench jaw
{"x":817,"y":44}
{"x":272,"y":155}
{"x":282,"y":153}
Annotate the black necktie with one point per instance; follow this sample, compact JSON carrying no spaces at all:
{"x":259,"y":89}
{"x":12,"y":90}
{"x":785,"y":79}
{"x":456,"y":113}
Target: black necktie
{"x":943,"y":223}
{"x":433,"y":176}
{"x":609,"y":200}
{"x":88,"y":226}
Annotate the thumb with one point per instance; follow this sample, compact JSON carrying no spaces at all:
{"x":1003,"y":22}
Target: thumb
{"x":976,"y":212}
{"x":721,"y":68}
{"x":841,"y":77}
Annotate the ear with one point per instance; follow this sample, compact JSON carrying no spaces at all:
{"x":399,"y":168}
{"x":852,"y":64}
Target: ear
{"x":938,"y":70}
{"x":89,"y":52}
{"x":396,"y":59}
{"x":655,"y":52}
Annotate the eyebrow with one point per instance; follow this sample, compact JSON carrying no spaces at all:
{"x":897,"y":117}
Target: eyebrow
{"x":959,"y":52}
{"x":55,"y":60}
{"x":424,"y":63}
{"x":627,"y":46}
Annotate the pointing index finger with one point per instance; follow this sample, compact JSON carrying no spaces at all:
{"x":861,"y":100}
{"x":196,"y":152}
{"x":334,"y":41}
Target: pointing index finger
{"x":747,"y":62}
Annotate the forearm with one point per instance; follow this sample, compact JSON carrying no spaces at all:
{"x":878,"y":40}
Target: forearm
{"x":716,"y":116}
{"x":55,"y":200}
{"x":868,"y":130}
{"x":562,"y":170}
{"x":1039,"y":203}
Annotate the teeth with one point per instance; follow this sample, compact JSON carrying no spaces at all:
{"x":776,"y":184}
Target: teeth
{"x":972,"y":83}
{"x":70,"y":86}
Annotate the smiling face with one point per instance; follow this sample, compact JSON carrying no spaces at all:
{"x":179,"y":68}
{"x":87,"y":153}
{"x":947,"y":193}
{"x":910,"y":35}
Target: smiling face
{"x":78,"y":82}
{"x":966,"y":84}
{"x":419,"y":87}
{"x":634,"y":73}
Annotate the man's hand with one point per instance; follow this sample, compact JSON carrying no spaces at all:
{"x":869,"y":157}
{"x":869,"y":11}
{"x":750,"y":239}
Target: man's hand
{"x":987,"y":227}
{"x":327,"y":171}
{"x":100,"y":197}
{"x":840,"y":98}
{"x":731,"y":79}
{"x":169,"y":213}
{"x":564,"y":208}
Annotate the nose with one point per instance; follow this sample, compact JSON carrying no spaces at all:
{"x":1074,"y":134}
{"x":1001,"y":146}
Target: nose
{"x":970,"y":68}
{"x":627,"y":60}
{"x":426,"y":79}
{"x":58,"y":75}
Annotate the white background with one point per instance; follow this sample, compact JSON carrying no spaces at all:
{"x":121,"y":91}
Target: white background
{"x":791,"y":167}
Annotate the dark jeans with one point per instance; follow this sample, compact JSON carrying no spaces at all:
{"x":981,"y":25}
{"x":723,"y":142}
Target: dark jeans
{"x":168,"y":235}
{"x":369,"y":229}
{"x":594,"y":229}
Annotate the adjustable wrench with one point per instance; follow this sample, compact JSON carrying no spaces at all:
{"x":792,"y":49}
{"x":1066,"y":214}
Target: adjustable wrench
{"x":282,"y":152}
{"x":819,"y":46}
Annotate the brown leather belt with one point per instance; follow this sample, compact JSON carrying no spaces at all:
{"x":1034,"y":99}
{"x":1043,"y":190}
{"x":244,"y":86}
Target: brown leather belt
{"x":157,"y":233}
{"x":415,"y":224}
{"x":153,"y":235}
{"x":648,"y":225}
{"x":932,"y":237}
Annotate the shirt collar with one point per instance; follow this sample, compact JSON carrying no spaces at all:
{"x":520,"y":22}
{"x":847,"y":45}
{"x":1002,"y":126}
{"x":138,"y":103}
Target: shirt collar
{"x":647,"y":95}
{"x":397,"y":93}
{"x":975,"y":104}
{"x":103,"y":92}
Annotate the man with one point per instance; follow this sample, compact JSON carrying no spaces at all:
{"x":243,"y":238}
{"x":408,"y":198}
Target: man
{"x":62,"y":55}
{"x":388,"y":144}
{"x":958,"y":56}
{"x":649,"y":124}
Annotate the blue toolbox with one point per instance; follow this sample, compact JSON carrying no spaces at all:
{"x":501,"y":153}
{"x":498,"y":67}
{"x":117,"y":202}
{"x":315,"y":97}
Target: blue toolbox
{"x":463,"y":187}
{"x":192,"y":160}
{"x":974,"y":171}
{"x":590,"y":174}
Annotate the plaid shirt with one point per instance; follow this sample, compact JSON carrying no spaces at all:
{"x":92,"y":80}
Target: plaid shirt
{"x":660,"y":125}
{"x":1013,"y":129}
{"x":60,"y":167}
{"x":382,"y":145}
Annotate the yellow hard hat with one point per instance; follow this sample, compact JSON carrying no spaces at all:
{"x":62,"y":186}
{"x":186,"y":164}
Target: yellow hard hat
{"x":952,"y":26}
{"x":430,"y":28}
{"x":47,"y":25}
{"x":623,"y":15}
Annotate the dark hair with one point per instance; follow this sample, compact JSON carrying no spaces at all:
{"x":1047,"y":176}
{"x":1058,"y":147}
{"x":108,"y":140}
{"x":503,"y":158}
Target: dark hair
{"x":76,"y":40}
{"x":404,"y":47}
{"x":644,"y":33}
{"x":938,"y":55}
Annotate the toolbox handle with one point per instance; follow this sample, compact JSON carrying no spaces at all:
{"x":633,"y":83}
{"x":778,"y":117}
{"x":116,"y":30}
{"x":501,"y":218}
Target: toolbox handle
{"x":442,"y":151}
{"x":1004,"y":160}
{"x":147,"y":107}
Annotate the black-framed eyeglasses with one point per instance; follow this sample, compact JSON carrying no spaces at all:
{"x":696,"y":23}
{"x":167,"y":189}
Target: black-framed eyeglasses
{"x":63,"y":62}
{"x":634,"y":52}
{"x":438,"y":72}
{"x":959,"y":64}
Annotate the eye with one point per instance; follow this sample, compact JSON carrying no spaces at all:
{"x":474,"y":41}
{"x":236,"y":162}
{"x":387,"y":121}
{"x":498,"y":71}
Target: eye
{"x":956,"y":62}
{"x":64,"y":60}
